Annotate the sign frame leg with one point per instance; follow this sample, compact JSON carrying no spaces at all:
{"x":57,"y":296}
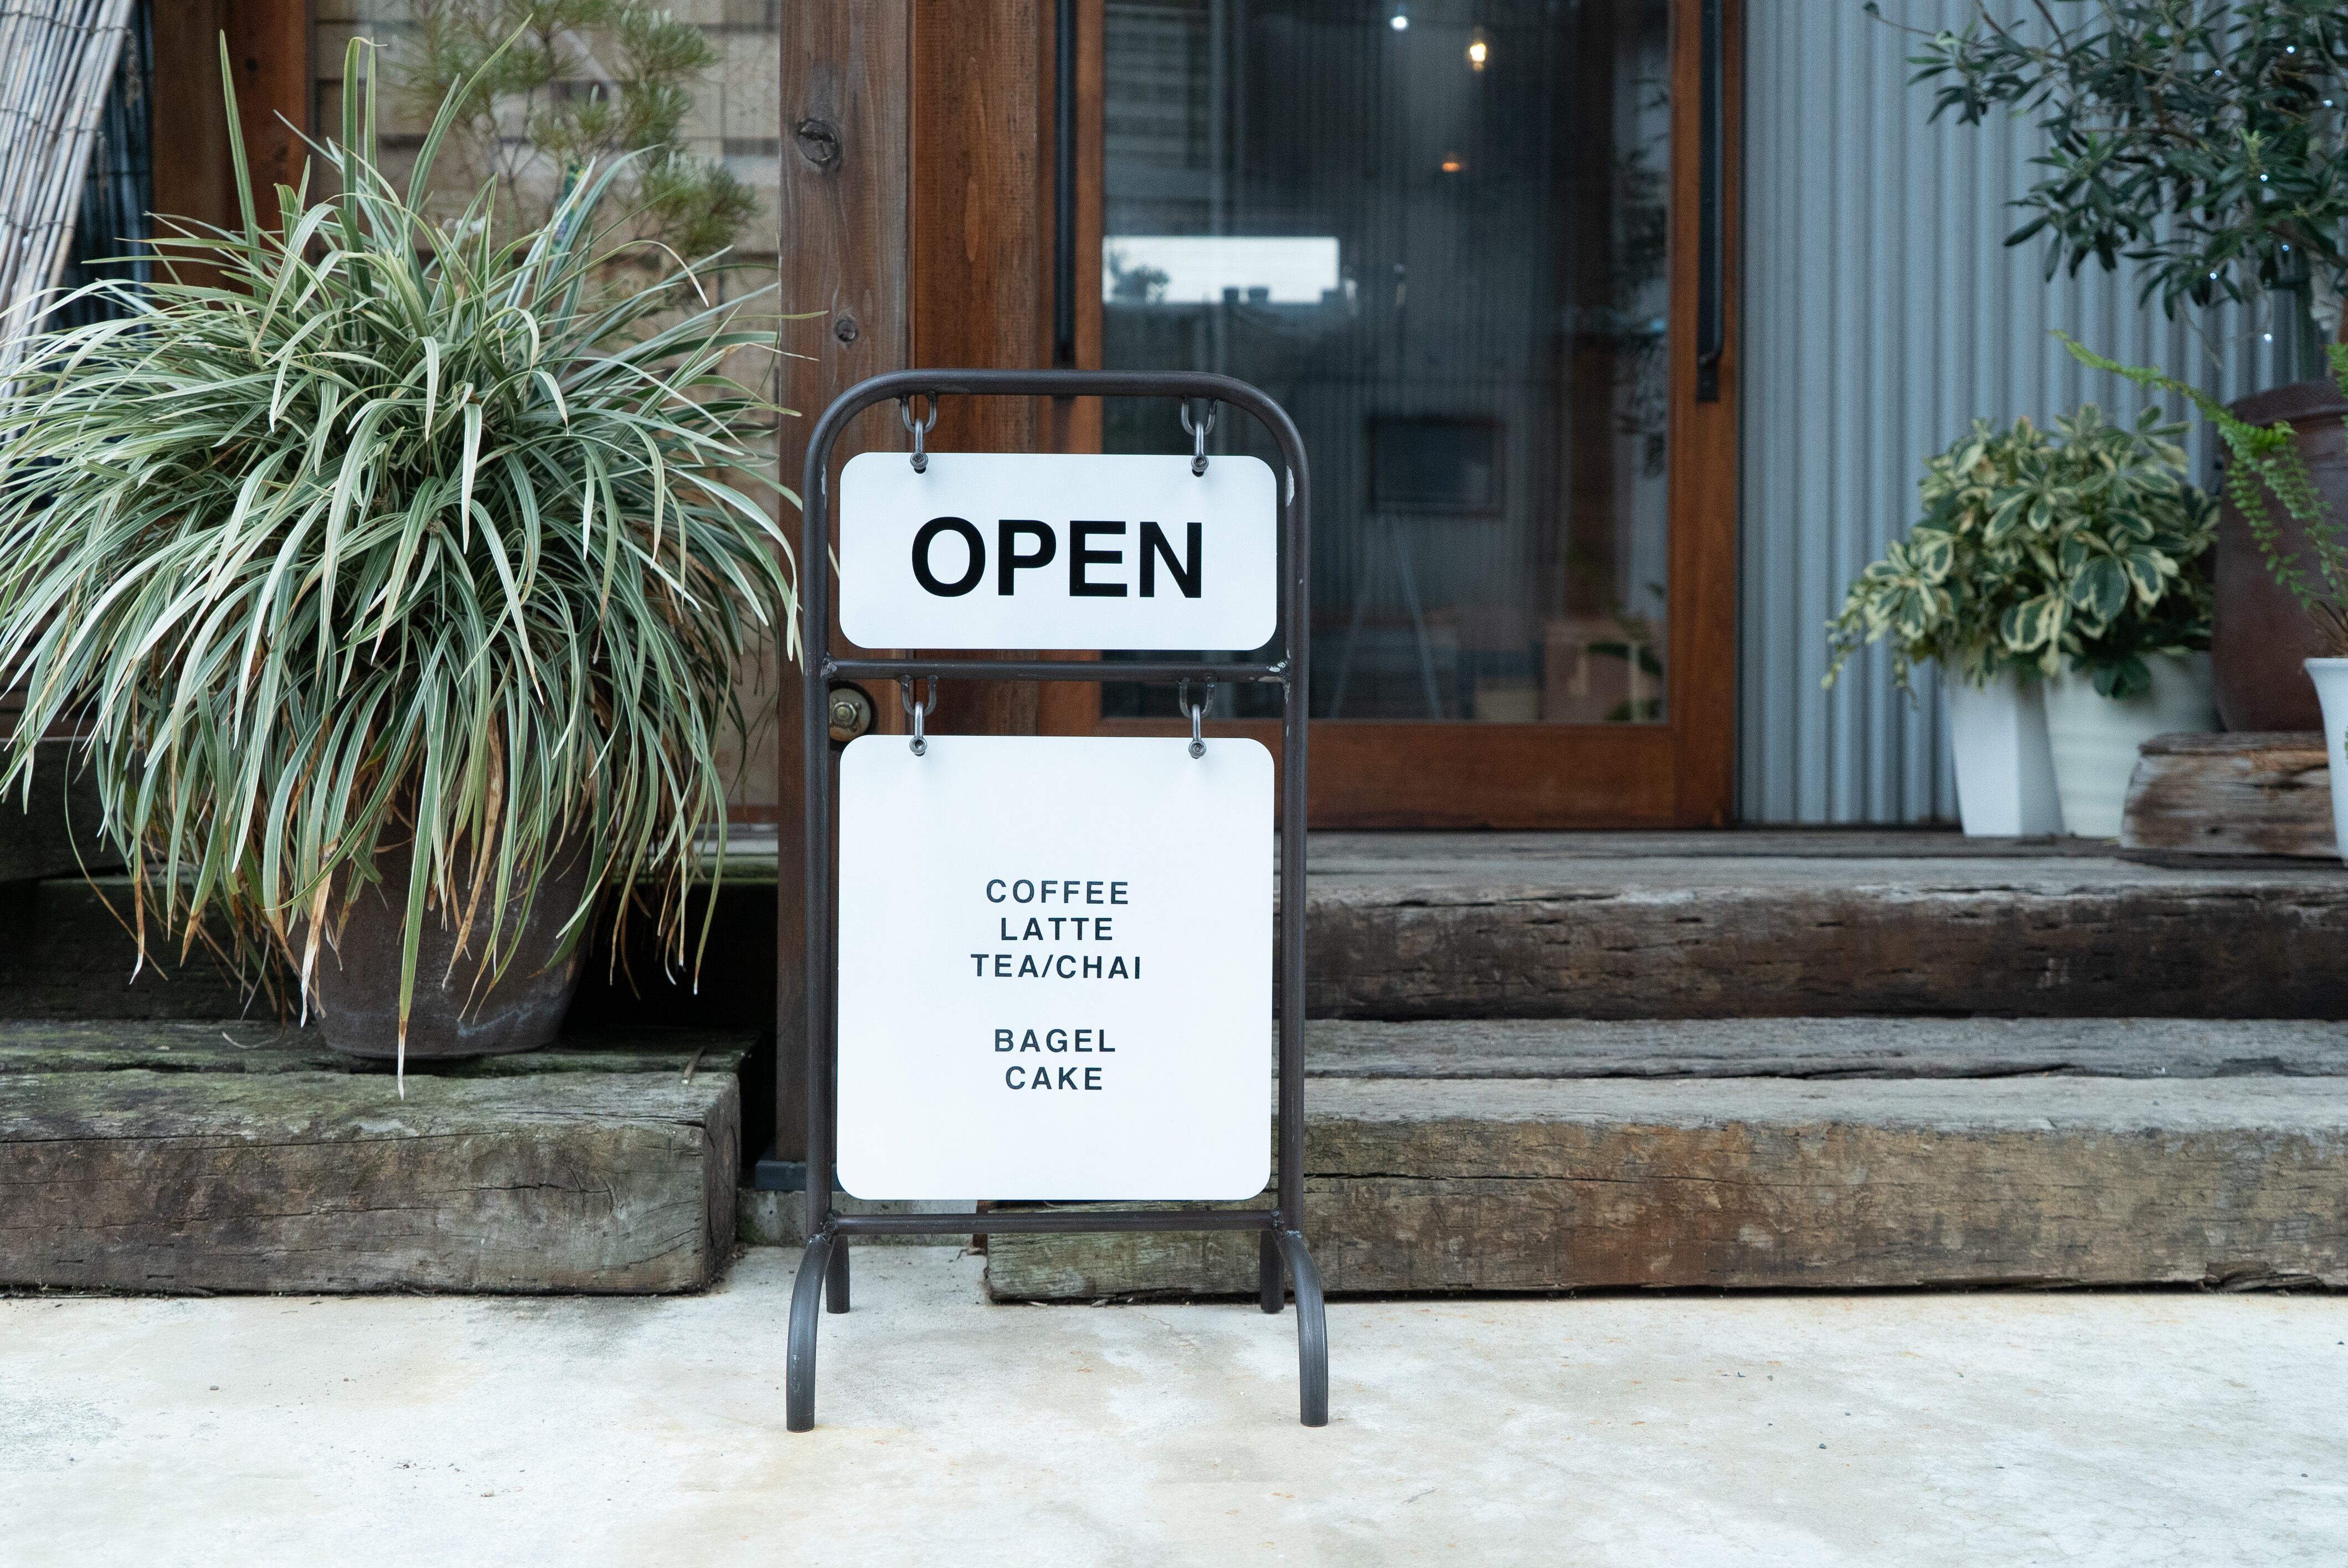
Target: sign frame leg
{"x":798,"y":1359}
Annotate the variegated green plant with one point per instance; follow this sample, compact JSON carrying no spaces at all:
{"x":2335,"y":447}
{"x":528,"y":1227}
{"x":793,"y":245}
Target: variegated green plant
{"x":360,"y":533}
{"x":2081,"y":547}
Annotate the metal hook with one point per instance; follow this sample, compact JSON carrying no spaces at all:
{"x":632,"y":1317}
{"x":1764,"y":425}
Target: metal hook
{"x":905,"y":413}
{"x":905,"y":699}
{"x":1198,"y":431}
{"x":1198,"y":713}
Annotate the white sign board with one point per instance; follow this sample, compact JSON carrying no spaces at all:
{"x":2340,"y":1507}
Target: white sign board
{"x":998,"y":549}
{"x":1055,"y":968}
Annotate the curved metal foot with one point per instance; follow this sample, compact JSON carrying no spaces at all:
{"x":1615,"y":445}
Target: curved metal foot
{"x":1268,"y":1283}
{"x":1312,"y":1332}
{"x":798,"y":1361}
{"x":835,"y":1281}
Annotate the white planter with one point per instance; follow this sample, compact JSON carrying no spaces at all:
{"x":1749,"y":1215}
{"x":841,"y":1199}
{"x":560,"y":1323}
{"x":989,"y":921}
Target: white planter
{"x":2094,"y":738}
{"x":2005,"y":775}
{"x":2331,"y":678}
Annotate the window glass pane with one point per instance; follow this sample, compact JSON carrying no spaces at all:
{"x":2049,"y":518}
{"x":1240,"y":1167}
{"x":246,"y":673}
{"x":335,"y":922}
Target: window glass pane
{"x":1435,"y":232}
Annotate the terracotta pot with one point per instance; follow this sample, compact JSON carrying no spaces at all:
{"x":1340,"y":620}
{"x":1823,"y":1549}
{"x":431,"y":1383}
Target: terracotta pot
{"x":2261,"y":639}
{"x":454,"y":1013}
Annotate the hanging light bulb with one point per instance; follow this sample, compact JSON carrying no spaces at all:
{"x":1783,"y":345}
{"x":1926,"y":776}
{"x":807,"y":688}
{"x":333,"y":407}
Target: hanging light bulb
{"x":1400,"y":21}
{"x":1479,"y":50}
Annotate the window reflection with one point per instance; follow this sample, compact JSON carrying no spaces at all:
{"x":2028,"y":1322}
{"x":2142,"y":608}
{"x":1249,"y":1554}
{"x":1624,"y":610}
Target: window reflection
{"x":1442,"y":246}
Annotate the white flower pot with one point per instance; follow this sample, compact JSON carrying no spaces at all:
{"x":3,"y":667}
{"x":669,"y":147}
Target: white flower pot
{"x":2095,"y":738}
{"x":2331,"y":678}
{"x":2005,"y":775}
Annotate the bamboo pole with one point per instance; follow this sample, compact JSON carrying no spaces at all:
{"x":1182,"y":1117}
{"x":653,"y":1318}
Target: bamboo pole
{"x":57,"y":64}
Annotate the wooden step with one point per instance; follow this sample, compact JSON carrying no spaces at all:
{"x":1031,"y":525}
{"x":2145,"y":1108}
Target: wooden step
{"x":1825,"y":1047}
{"x":52,"y":832}
{"x":66,"y":951}
{"x":1756,"y":924}
{"x":251,"y":1165}
{"x":1751,"y":924}
{"x":2120,"y":1153}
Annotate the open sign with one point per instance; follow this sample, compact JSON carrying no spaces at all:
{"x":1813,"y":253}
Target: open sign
{"x":1058,"y":551}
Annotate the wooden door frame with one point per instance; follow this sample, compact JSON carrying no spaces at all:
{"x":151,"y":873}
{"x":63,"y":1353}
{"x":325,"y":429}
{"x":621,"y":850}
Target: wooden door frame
{"x":966,"y":172}
{"x":1678,"y":773}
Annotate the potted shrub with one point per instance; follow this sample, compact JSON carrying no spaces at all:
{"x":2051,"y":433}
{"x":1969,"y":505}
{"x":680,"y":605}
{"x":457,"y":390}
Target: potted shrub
{"x":2072,"y":558}
{"x":397,"y":576}
{"x":2202,"y":144}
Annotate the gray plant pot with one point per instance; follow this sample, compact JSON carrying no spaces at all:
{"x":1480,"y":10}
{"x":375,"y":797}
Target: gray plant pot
{"x":457,"y":1011}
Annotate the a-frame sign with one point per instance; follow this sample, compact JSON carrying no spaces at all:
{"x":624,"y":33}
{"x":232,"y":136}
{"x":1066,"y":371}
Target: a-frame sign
{"x":1048,"y":981}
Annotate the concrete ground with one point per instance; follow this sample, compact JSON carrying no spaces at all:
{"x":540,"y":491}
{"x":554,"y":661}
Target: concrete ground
{"x":1879,"y":1429}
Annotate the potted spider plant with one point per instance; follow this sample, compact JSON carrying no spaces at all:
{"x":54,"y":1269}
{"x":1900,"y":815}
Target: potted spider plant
{"x":395,"y":576}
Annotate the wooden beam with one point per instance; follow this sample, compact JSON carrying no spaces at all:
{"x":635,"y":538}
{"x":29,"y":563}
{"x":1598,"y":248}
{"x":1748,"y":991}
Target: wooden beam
{"x":269,"y":55}
{"x":328,"y":1182}
{"x":981,"y":250}
{"x":845,"y":219}
{"x":1760,"y":1183}
{"x":269,"y":52}
{"x":2243,"y":792}
{"x":191,"y":155}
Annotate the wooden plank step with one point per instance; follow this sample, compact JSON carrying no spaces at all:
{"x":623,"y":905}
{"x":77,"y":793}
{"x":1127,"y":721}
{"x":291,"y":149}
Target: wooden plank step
{"x":1815,"y":1048}
{"x":53,"y":832}
{"x":1513,"y":1184}
{"x":1752,"y":925}
{"x":295,"y":1180}
{"x":66,"y":952}
{"x":241,"y":1045}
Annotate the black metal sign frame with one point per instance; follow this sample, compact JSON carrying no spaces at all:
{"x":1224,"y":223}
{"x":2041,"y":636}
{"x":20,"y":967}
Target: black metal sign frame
{"x":823,"y":1274}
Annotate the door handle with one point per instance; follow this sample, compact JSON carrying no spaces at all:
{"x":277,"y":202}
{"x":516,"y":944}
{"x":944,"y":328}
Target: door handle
{"x":1711,"y":304}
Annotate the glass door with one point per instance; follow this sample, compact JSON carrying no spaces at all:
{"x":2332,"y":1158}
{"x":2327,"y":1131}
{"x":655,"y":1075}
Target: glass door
{"x":1452,"y":238}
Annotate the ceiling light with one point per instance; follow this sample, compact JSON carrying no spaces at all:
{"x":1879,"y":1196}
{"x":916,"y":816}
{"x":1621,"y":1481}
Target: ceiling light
{"x":1479,"y":50}
{"x":1400,"y":22}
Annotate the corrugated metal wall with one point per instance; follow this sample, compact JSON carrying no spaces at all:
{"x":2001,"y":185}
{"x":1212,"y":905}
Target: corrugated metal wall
{"x":1882,"y":313}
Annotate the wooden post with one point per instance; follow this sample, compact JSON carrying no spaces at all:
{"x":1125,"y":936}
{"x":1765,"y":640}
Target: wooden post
{"x":269,"y":51}
{"x":845,"y":245}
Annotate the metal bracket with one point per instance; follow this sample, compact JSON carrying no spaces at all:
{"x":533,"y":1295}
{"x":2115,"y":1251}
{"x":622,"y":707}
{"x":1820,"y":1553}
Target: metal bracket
{"x":921,"y":743}
{"x":1198,"y":714}
{"x":1198,"y":431}
{"x":905,"y":413}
